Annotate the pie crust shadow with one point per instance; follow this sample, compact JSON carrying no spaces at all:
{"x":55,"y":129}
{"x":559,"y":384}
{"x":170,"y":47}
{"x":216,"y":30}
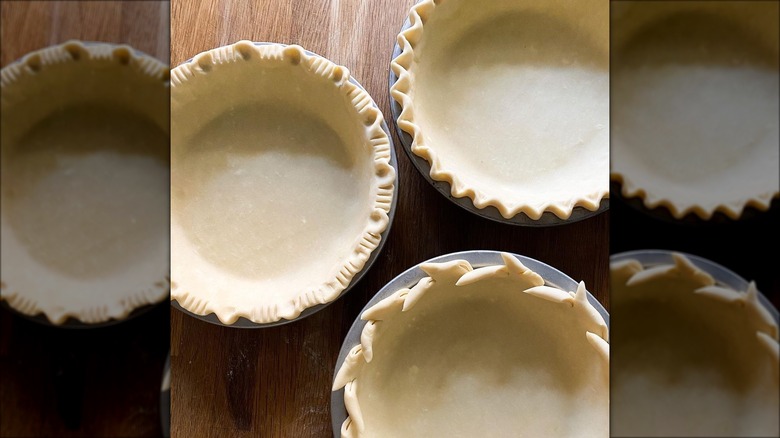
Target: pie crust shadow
{"x":85,"y":182}
{"x":281,"y":182}
{"x":509,"y":101}
{"x":487,"y":351}
{"x":692,"y":356}
{"x":695,"y":94}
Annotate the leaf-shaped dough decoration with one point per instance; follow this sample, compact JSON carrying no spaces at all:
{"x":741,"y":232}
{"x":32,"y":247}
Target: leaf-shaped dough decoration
{"x":601,"y":346}
{"x":771,"y":345}
{"x":385,"y":308}
{"x":350,"y":368}
{"x":550,"y":294}
{"x":416,"y":293}
{"x":353,"y":407}
{"x":367,"y":340}
{"x":721,"y":294}
{"x":515,"y":267}
{"x":480,"y":274}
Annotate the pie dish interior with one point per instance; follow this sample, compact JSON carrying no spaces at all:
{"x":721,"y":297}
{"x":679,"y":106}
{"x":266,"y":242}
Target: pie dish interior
{"x":691,"y":357}
{"x":85,"y":182}
{"x":509,"y":101}
{"x":281,"y":182}
{"x":695,"y":93}
{"x":489,"y":351}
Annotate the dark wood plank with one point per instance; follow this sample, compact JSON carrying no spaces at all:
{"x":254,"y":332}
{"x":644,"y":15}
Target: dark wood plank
{"x":276,"y":382}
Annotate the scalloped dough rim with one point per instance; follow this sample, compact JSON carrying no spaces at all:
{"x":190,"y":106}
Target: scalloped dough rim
{"x":32,"y":64}
{"x":400,"y":92}
{"x":375,"y":136}
{"x":87,"y":315}
{"x":733,"y":210}
{"x":74,"y":51}
{"x":404,"y":299}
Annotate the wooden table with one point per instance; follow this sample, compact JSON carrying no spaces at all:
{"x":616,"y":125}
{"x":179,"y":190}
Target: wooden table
{"x":32,"y":25}
{"x":95,"y":382}
{"x":276,"y":382}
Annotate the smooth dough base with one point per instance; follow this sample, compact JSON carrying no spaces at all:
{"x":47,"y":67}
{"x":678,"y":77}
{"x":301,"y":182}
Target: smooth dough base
{"x":481,"y":361}
{"x":684,"y":364}
{"x":281,"y":182}
{"x":696,"y":121}
{"x":86,"y":191}
{"x":268,"y":193}
{"x":516,"y":106}
{"x":85,"y":182}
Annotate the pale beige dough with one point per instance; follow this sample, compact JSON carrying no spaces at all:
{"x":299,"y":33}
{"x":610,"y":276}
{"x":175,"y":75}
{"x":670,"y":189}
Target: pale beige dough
{"x":489,"y":355}
{"x":695,"y":105}
{"x":690,"y":358}
{"x":252,"y":198}
{"x":85,"y":182}
{"x":281,"y":182}
{"x":509,"y":101}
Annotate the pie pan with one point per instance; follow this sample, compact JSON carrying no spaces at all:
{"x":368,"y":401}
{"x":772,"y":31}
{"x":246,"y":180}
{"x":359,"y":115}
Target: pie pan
{"x":695,"y":90}
{"x":283,"y":183}
{"x":504,"y":106}
{"x":409,"y":388}
{"x":696,"y":349}
{"x":85,"y":183}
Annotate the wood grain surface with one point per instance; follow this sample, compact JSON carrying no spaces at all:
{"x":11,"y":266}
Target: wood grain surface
{"x":276,"y":382}
{"x":92,"y":382}
{"x":32,"y":25}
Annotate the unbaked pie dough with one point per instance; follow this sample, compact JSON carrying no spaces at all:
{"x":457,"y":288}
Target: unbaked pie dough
{"x":690,"y":357}
{"x":489,"y":351}
{"x":509,"y":101}
{"x":695,"y":105}
{"x":85,"y":182}
{"x":281,"y":182}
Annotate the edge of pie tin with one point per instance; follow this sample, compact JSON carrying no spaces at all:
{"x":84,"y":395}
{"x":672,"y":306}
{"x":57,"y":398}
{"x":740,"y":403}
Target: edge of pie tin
{"x":72,"y":322}
{"x":410,"y":277}
{"x":245,"y":323}
{"x":722,"y":275}
{"x":547,"y":219}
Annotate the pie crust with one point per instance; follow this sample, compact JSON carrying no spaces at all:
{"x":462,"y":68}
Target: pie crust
{"x":695,"y":92}
{"x":508,"y":101}
{"x":693,"y":357}
{"x":490,"y":351}
{"x":85,"y":182}
{"x":281,"y":182}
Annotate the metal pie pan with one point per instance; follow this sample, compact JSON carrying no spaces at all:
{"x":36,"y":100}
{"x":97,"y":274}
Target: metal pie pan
{"x":72,"y":322}
{"x":245,"y":323}
{"x":722,"y":275}
{"x":412,"y":276}
{"x":490,"y":212}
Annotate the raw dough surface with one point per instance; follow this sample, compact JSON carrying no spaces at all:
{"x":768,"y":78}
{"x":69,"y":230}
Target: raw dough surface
{"x":478,"y":359}
{"x":85,"y":182}
{"x":281,"y":182}
{"x":87,"y":191}
{"x":511,"y":102}
{"x":695,"y":93}
{"x":690,"y":363}
{"x":276,"y":198}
